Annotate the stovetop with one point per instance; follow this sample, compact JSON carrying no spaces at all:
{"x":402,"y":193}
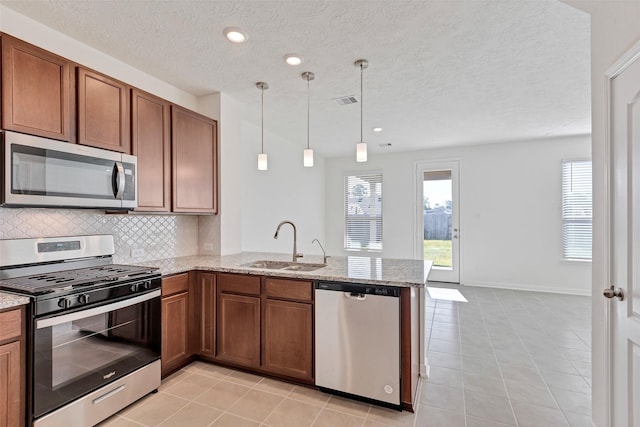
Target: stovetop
{"x":77,"y":279}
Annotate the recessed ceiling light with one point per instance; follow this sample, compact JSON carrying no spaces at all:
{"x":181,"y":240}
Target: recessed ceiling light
{"x":293,"y":59}
{"x":235,"y":35}
{"x":377,"y":129}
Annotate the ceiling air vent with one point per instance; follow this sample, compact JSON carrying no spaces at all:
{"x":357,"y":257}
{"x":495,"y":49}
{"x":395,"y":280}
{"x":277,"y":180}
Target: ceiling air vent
{"x":346,"y":100}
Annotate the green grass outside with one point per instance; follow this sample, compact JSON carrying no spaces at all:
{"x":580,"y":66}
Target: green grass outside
{"x":439,"y":251}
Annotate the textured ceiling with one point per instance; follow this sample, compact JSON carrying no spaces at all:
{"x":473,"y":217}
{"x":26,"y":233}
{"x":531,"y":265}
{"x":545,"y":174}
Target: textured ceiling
{"x":441,"y":73}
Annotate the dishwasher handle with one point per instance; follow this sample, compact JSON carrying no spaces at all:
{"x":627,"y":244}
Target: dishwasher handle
{"x":355,"y":296}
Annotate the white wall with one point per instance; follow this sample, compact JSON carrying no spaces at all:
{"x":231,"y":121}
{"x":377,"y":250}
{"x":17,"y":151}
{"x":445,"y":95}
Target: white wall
{"x":230,"y":174}
{"x":286,"y":191}
{"x":510,"y":211}
{"x":615,"y":28}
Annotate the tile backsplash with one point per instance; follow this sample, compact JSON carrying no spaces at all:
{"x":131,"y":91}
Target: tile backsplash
{"x":159,"y":236}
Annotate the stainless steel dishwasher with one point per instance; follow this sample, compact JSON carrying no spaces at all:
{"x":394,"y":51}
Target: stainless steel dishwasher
{"x":357,"y":349}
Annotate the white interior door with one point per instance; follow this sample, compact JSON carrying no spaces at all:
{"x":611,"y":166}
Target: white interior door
{"x":625,"y":242}
{"x":438,"y":226}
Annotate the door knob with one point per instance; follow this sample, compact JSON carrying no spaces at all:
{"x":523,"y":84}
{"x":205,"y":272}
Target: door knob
{"x":613,"y":292}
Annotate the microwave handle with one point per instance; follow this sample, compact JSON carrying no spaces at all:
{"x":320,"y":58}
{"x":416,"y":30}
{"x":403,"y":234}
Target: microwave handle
{"x":118,"y":180}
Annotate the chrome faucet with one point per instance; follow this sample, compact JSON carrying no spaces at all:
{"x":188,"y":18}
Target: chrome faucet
{"x":324,"y":254}
{"x":296,"y":255}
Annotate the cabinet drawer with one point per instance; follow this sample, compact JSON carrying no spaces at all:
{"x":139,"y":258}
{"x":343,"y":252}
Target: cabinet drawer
{"x":301,"y":290}
{"x":239,"y":283}
{"x":10,"y":324}
{"x":174,"y":284}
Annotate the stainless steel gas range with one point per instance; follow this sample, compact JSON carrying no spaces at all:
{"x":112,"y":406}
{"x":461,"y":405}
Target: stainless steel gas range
{"x":94,"y":330}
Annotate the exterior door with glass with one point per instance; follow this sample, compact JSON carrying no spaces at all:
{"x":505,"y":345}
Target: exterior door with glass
{"x":438,"y":219}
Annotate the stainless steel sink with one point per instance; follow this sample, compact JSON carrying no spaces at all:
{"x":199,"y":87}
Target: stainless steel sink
{"x":286,"y":265}
{"x":304,"y":266}
{"x":276,"y":265}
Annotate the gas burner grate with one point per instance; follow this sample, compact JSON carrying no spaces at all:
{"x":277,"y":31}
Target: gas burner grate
{"x":52,"y":281}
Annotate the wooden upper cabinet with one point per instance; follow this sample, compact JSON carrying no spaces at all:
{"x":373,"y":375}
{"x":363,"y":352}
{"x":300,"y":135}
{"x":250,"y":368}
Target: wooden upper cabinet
{"x":103,"y":111}
{"x":36,"y":91}
{"x":195,"y":161}
{"x":151,"y":143}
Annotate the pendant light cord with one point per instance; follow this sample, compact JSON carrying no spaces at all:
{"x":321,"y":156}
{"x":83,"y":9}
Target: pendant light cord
{"x":361,"y":101}
{"x":262,"y":120}
{"x":308,"y":108}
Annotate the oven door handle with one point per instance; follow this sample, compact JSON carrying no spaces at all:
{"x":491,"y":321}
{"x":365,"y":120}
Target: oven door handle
{"x":64,"y":318}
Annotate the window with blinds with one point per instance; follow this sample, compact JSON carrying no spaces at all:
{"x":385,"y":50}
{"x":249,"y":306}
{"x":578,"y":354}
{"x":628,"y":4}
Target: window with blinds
{"x":576,"y":209}
{"x":363,"y":212}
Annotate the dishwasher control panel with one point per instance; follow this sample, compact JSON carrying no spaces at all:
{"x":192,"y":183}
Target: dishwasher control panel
{"x":360,"y":288}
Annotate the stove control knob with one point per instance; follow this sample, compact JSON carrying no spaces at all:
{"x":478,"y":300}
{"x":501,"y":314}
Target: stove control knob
{"x":147,"y":284}
{"x":64,"y":303}
{"x":135,"y":287}
{"x":83,"y":298}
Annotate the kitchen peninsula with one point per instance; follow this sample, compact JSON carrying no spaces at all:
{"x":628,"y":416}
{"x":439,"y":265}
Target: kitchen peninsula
{"x":224,"y":310}
{"x":359,"y":269}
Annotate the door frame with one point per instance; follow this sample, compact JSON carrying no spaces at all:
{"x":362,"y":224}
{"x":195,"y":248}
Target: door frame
{"x":418,"y":235}
{"x":614,"y":71}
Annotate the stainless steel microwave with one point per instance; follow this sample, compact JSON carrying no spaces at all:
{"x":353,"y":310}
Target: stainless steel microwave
{"x":45,"y":172}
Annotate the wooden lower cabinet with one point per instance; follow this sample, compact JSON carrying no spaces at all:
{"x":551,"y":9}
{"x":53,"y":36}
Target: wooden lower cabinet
{"x":238,"y":329}
{"x":287,"y":338}
{"x":12,"y":368}
{"x":176,"y":350}
{"x":265,"y":324}
{"x":205,"y":314}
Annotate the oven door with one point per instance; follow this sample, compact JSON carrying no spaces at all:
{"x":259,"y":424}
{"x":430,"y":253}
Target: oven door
{"x":78,"y":352}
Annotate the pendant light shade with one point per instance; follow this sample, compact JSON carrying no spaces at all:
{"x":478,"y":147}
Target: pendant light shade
{"x":308,"y":152}
{"x":308,"y":157}
{"x":361,"y":152}
{"x":361,"y":147}
{"x":262,"y":162}
{"x":262,"y":157}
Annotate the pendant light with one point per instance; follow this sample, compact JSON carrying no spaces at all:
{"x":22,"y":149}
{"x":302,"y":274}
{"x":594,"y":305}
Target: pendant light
{"x":262,"y":157}
{"x":308,"y":152}
{"x":361,"y":147}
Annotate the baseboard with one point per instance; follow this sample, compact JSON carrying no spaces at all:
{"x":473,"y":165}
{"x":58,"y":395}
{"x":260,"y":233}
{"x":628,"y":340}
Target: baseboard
{"x":529,"y":287}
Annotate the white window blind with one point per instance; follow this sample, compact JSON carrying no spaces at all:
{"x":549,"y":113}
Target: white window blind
{"x":363,"y":212}
{"x":576,"y":209}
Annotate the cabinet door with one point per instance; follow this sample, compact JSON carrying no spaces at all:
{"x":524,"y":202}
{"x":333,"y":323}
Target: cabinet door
{"x":150,"y":142}
{"x":35,"y":90}
{"x":10,"y":385}
{"x":238,"y":329}
{"x":288,"y":338}
{"x":175,"y":331}
{"x":206,"y":314}
{"x":195,"y":161}
{"x":103,"y":112}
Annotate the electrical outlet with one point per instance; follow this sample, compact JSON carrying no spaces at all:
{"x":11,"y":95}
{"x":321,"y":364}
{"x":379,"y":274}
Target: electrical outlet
{"x":208,"y":246}
{"x":137,"y":253}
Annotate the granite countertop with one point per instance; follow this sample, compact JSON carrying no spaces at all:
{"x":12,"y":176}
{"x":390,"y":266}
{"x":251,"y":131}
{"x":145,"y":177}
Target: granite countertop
{"x":10,"y":300}
{"x":357,"y":269}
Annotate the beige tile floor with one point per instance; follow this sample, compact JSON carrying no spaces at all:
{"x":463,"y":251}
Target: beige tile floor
{"x":207,"y":395}
{"x":505,"y":358}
